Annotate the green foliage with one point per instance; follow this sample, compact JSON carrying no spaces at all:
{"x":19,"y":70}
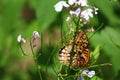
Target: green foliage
{"x":95,"y":54}
{"x":96,"y":78}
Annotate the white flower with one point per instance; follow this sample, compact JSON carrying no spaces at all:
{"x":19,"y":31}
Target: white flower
{"x":21,"y":39}
{"x":95,"y":10}
{"x":76,"y":12}
{"x":59,"y":6}
{"x":88,"y":73}
{"x":82,"y":2}
{"x":36,"y":35}
{"x":91,"y":74}
{"x":86,"y":14}
{"x":71,"y":2}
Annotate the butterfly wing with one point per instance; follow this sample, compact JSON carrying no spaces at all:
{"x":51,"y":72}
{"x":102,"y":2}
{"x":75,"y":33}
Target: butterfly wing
{"x":81,"y":49}
{"x":80,"y":53}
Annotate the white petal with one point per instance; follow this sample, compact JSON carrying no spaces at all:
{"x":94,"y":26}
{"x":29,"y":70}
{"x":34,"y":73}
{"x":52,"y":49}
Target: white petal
{"x":36,"y":34}
{"x":58,"y":7}
{"x":85,"y":72}
{"x":71,"y":2}
{"x":86,"y":14}
{"x":19,"y":39}
{"x":72,"y":12}
{"x":89,"y":10}
{"x":90,"y":14}
{"x":82,"y":2}
{"x":87,"y":18}
{"x":65,"y":4}
{"x":95,"y":10}
{"x":76,"y":12}
{"x":91,"y":74}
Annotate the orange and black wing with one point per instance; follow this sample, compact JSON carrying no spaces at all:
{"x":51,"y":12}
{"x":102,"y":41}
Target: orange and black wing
{"x":80,"y":53}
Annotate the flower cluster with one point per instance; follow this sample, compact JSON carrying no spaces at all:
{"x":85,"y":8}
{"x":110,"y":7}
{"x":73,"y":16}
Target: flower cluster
{"x":87,"y":73}
{"x":77,"y":9}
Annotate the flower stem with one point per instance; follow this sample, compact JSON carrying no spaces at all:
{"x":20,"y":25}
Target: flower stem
{"x":22,"y":50}
{"x":35,"y":60}
{"x":100,"y":65}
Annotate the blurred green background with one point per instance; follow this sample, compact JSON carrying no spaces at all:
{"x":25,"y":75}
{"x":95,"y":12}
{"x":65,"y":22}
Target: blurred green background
{"x":25,"y":16}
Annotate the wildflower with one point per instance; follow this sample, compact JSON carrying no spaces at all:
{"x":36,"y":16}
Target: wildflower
{"x":95,"y":10}
{"x":76,"y":12}
{"x":71,"y":2}
{"x":91,"y":74}
{"x":76,"y":9}
{"x":21,"y":39}
{"x":36,"y":35}
{"x":59,"y":6}
{"x":86,"y":14}
{"x":88,"y":73}
{"x":82,"y":2}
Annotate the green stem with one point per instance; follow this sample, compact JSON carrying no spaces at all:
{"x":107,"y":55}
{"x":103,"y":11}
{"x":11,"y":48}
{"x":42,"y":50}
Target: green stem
{"x":61,"y":76}
{"x":22,"y":50}
{"x":35,"y":60}
{"x":74,"y":40}
{"x":61,"y":32}
{"x":100,"y":65}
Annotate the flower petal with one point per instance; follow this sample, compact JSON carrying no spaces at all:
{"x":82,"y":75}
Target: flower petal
{"x":36,"y":35}
{"x":71,"y":2}
{"x":82,"y":2}
{"x":59,"y":6}
{"x":76,"y":12}
{"x":21,"y":39}
{"x":91,"y":74}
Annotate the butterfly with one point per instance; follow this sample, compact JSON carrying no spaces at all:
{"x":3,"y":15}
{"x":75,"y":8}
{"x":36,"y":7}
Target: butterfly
{"x":77,"y":51}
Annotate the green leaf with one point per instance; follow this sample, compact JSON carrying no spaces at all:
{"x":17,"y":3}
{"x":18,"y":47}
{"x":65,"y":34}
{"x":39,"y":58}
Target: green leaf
{"x":95,"y":54}
{"x":96,"y":78}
